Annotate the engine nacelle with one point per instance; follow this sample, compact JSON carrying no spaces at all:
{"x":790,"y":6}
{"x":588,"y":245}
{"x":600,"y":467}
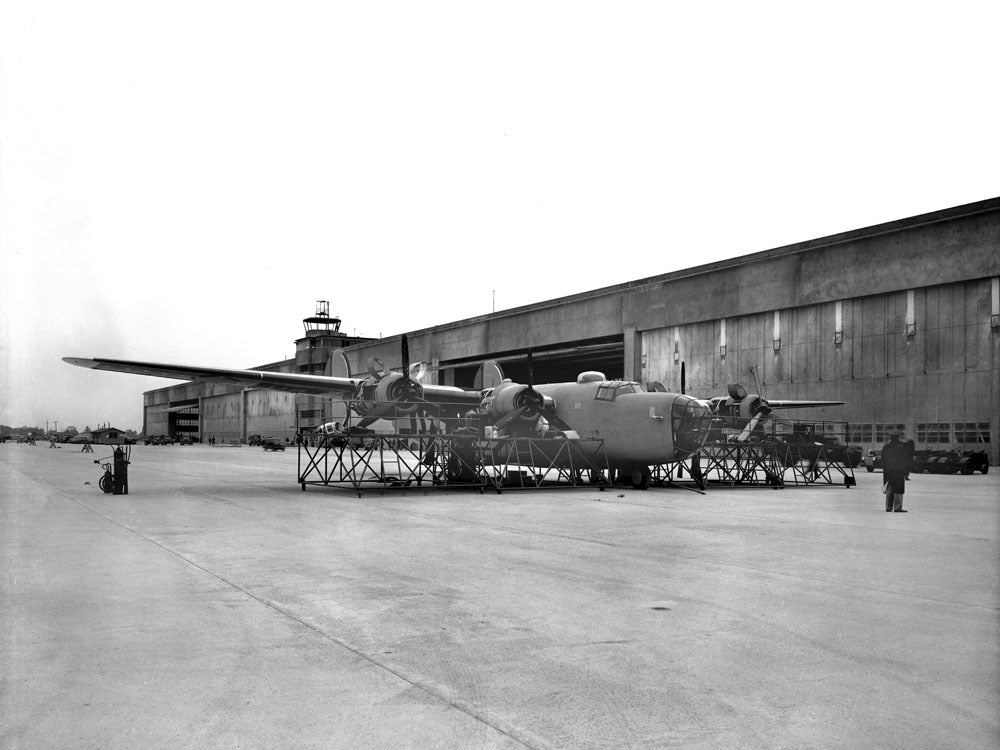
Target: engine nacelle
{"x":750,"y":405}
{"x":510,"y":397}
{"x":390,"y":396}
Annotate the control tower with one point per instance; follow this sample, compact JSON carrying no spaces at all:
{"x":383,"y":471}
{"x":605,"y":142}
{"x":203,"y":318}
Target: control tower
{"x":322,"y":336}
{"x":312,"y":356}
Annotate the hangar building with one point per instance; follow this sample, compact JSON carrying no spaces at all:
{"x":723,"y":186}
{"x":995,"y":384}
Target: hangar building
{"x":899,"y":320}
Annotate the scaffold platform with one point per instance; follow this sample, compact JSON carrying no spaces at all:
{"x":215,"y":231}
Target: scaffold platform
{"x":406,"y":461}
{"x":774,"y":465}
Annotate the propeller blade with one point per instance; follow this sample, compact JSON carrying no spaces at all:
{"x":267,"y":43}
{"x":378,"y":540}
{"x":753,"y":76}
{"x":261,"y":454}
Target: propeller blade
{"x":531,"y":373}
{"x":509,"y":417}
{"x":683,"y":379}
{"x":756,"y":383}
{"x":406,"y":357}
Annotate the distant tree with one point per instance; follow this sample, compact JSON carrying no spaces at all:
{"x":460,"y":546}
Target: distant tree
{"x":71,"y":430}
{"x":87,"y":428}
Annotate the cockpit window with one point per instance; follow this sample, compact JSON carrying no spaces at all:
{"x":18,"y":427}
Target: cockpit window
{"x":611,"y":391}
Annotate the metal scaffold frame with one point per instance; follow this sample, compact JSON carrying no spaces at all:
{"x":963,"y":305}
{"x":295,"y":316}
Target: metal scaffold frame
{"x":824,"y":468}
{"x":398,"y":461}
{"x":389,"y":461}
{"x":440,"y":453}
{"x":465,"y":451}
{"x":743,"y":464}
{"x":523,"y":463}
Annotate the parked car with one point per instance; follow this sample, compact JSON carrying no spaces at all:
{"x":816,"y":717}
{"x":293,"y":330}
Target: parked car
{"x":160,"y":440}
{"x":873,"y":460}
{"x":272,"y":444}
{"x":953,"y":462}
{"x":186,"y":440}
{"x":255,"y":440}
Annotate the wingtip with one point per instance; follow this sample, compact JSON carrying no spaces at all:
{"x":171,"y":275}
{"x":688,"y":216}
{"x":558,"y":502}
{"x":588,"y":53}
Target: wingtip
{"x":79,"y":361}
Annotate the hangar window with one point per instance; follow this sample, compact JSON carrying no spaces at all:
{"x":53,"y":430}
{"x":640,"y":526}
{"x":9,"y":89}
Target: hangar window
{"x":972,"y":432}
{"x":859,"y":433}
{"x":934,"y":432}
{"x":882,"y":431}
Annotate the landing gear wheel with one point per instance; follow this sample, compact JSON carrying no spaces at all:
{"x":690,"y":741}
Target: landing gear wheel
{"x":641,"y":478}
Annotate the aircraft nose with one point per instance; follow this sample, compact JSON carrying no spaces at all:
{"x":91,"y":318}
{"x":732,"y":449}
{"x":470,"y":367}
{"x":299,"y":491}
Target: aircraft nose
{"x":691,"y":420}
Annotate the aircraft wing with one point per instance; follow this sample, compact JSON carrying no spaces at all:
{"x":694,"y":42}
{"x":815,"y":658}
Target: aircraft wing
{"x":319,"y":385}
{"x":786,"y":404}
{"x":279,"y":381}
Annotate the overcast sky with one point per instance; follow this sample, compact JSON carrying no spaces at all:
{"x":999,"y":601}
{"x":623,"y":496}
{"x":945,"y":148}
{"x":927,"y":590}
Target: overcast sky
{"x":180,"y":182}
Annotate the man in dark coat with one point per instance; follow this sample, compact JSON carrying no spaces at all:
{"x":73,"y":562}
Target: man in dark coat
{"x":895,"y":466}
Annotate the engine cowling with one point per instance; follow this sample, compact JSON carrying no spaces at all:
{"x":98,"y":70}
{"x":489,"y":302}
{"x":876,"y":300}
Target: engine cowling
{"x":750,"y":405}
{"x":389,"y":396}
{"x":514,"y":400}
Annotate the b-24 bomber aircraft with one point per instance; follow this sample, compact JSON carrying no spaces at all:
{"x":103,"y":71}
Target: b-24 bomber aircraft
{"x":639,"y":428}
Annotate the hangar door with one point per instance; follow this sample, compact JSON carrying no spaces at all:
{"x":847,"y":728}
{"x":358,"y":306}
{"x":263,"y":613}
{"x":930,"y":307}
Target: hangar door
{"x":555,"y":364}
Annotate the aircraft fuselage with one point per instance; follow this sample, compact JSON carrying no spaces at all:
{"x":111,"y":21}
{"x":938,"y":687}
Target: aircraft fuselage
{"x":638,"y":428}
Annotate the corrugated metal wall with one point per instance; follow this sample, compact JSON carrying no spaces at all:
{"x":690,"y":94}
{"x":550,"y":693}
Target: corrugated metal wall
{"x":937,"y":379}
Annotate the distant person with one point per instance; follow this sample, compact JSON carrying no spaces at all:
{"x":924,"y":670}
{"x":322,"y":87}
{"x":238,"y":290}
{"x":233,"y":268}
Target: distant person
{"x":895,"y":466}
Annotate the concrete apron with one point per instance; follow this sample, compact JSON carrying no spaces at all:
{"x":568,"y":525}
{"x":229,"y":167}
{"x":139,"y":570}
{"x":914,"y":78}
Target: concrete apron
{"x":217,"y":605}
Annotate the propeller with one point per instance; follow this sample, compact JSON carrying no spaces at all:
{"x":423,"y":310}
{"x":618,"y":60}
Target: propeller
{"x":532,"y":402}
{"x":683,"y":379}
{"x":407,"y":389}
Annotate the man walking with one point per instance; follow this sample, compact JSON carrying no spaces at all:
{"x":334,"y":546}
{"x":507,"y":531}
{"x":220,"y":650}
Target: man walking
{"x":895,"y":466}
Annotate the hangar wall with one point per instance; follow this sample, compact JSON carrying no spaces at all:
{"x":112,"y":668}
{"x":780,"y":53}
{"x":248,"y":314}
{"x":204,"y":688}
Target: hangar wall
{"x":900,"y":320}
{"x":235,"y":416}
{"x":936,"y":272}
{"x":934,"y":375}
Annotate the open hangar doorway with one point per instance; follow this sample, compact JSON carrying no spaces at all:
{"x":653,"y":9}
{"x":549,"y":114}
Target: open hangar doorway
{"x":559,"y":363}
